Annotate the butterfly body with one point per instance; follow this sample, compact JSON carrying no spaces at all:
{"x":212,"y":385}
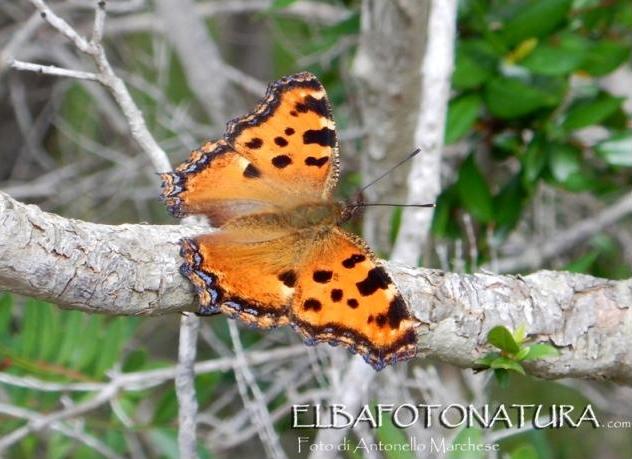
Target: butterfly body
{"x":279,"y":255}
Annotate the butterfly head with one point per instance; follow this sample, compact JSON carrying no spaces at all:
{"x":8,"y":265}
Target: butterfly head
{"x":351,"y":207}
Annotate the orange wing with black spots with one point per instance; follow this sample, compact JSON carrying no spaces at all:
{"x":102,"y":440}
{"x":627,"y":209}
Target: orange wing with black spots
{"x":279,"y":256}
{"x":291,"y":136}
{"x":217,"y":182}
{"x":242,"y":276}
{"x":283,"y":153}
{"x":344,"y":296}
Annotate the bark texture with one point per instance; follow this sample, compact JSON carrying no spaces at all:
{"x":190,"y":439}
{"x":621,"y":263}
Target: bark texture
{"x":387,"y":73}
{"x":133,"y":270}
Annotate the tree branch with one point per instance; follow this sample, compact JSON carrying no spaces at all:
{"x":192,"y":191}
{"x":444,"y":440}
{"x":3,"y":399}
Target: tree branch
{"x":133,"y":270}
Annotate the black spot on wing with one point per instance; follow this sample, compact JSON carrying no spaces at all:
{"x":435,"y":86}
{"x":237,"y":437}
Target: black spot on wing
{"x":312,"y":303}
{"x":375,"y":279}
{"x":254,"y":143}
{"x":336,"y":295}
{"x":324,"y":137}
{"x":251,"y":171}
{"x":318,"y":106}
{"x":293,"y":113}
{"x":288,"y":278}
{"x":281,"y":161}
{"x":318,"y":162}
{"x":353,"y":260}
{"x":396,"y":312}
{"x":289,"y":131}
{"x":352,"y":303}
{"x":380,"y":320}
{"x":322,"y":277}
{"x":280,"y":141}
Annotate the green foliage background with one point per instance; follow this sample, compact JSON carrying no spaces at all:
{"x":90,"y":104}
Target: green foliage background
{"x":526,"y":80}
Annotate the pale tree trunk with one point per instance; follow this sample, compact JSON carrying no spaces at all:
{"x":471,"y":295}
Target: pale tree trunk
{"x":387,"y":72}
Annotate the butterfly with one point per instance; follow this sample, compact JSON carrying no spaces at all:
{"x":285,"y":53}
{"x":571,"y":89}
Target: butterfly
{"x":279,"y":255}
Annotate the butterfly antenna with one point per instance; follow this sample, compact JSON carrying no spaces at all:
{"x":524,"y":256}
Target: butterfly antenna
{"x":388,"y":171}
{"x":383,"y":204}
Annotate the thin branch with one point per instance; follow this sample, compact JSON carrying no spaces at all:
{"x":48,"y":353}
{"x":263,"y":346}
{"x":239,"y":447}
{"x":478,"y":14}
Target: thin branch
{"x":200,"y":57}
{"x":54,"y":70}
{"x":534,"y":256}
{"x":42,"y":422}
{"x":143,"y":380}
{"x":257,"y":406}
{"x":109,"y":79}
{"x":185,"y":386}
{"x":76,"y":434}
{"x":308,"y":11}
{"x":62,"y":27}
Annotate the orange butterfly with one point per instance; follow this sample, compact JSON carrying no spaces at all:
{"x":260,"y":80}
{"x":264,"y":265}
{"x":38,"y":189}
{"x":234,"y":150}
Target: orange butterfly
{"x":280,"y":256}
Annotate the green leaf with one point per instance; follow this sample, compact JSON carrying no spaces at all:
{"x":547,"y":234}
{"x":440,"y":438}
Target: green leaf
{"x":116,"y":335}
{"x":524,"y":351}
{"x":166,"y":409}
{"x":474,"y":192}
{"x":524,"y":452}
{"x":541,"y":351}
{"x":564,"y":161}
{"x":583,"y":263}
{"x":73,"y":327}
{"x":501,"y":337}
{"x":520,"y":334}
{"x":396,"y":221}
{"x":510,"y":98}
{"x":605,"y":56}
{"x":502,"y":377}
{"x":591,"y":111}
{"x":135,"y":361}
{"x":30,"y":333}
{"x":508,"y":364}
{"x":50,"y":336}
{"x":475,"y":63}
{"x":6,"y":304}
{"x":442,"y":222}
{"x":278,"y":4}
{"x":533,"y":161}
{"x":462,"y":113}
{"x":535,"y":19}
{"x":617,"y":151}
{"x":487,"y":359}
{"x":553,"y":60}
{"x":509,"y":202}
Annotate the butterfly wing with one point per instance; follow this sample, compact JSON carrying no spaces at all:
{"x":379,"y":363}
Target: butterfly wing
{"x":259,"y":295}
{"x":281,"y":154}
{"x":291,"y":136}
{"x":217,"y":182}
{"x":343,"y":295}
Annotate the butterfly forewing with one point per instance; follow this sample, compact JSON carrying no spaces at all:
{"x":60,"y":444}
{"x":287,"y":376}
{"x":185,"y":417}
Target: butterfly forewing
{"x":291,"y":136}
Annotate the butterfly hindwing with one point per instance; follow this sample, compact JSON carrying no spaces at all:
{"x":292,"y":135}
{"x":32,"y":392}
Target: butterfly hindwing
{"x":291,"y":136}
{"x":343,"y":295}
{"x":259,"y":295}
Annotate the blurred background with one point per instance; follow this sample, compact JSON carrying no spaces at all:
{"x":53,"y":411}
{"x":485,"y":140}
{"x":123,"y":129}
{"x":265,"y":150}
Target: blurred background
{"x":538,"y":145}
